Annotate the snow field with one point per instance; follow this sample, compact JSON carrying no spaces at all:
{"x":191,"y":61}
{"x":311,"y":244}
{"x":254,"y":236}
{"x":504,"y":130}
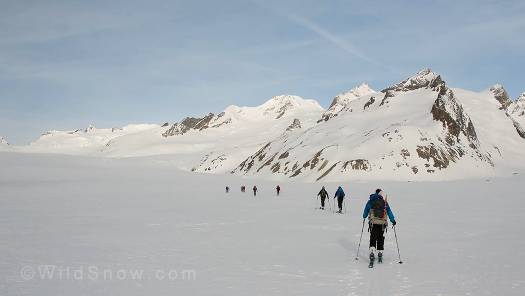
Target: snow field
{"x":456,"y":238}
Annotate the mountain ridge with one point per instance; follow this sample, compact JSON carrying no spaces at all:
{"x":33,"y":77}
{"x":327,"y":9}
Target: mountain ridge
{"x":419,"y":128}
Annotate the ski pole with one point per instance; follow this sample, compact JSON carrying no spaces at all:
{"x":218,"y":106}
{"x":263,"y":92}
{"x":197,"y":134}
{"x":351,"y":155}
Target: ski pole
{"x":399,"y":256}
{"x":358,"y":247}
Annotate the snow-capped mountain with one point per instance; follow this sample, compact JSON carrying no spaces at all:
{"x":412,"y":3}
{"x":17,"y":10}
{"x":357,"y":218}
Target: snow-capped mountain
{"x":417,"y":129}
{"x":219,"y":142}
{"x":277,"y":107}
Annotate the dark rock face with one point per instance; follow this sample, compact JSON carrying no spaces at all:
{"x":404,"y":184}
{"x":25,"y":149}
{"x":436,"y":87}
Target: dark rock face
{"x":502,"y":96}
{"x":357,"y":164}
{"x":188,"y":124}
{"x":452,"y":116}
{"x":388,"y":94}
{"x":249,"y":162}
{"x":327,"y":171}
{"x":440,"y":158}
{"x":296,"y":124}
{"x":369,"y":103}
{"x":278,"y":162}
{"x":327,"y":117}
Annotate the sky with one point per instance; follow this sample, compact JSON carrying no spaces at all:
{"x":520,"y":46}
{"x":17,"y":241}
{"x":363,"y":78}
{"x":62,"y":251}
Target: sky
{"x":67,"y":64}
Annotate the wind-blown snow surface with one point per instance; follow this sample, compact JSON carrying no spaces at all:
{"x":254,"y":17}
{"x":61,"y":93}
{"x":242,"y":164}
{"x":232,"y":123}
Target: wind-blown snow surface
{"x":456,"y":238}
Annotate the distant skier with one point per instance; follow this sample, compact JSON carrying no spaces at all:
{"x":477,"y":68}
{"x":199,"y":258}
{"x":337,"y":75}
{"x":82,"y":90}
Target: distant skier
{"x":377,"y":210}
{"x":340,"y":194}
{"x":227,"y":189}
{"x":254,"y":190}
{"x":243,"y":188}
{"x":278,"y":189}
{"x":323,"y":194}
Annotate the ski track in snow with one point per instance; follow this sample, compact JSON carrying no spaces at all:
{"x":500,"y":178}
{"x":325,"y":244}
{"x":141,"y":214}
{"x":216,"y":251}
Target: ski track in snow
{"x":455,"y":238}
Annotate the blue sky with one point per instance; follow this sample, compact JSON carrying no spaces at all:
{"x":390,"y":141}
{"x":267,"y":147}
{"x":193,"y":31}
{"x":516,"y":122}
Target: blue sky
{"x":68,"y":64}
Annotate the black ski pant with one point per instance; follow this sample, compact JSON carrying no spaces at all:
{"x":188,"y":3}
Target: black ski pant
{"x":340,"y":203}
{"x":377,"y":237}
{"x":322,"y":201}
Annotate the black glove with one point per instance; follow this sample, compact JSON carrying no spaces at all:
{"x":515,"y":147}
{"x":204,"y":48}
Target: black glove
{"x":394,"y":223}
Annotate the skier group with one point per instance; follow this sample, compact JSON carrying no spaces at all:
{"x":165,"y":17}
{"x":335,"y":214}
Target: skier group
{"x":254,"y":189}
{"x":377,"y":210}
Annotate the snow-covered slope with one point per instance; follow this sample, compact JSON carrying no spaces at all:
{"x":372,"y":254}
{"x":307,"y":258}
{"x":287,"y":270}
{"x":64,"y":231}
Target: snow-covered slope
{"x":341,"y":102}
{"x":416,"y":129}
{"x":218,"y":143}
{"x":103,"y":219}
{"x":86,"y":141}
{"x":500,"y":135}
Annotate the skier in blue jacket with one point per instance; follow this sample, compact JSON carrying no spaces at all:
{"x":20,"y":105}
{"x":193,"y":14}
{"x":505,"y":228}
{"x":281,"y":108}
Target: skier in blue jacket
{"x":340,"y":194}
{"x":377,"y":210}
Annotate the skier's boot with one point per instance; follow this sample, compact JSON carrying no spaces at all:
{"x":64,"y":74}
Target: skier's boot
{"x":380,"y":257}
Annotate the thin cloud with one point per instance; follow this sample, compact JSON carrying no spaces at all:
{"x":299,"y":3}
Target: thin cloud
{"x":337,"y":41}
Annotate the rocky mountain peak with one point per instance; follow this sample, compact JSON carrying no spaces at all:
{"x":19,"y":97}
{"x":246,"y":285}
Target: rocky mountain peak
{"x":187,"y":124}
{"x":425,"y":78}
{"x":501,"y":95}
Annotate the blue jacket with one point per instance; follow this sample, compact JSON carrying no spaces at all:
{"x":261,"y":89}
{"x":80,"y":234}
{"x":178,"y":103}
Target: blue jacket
{"x":368,"y":207}
{"x":339,"y":193}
